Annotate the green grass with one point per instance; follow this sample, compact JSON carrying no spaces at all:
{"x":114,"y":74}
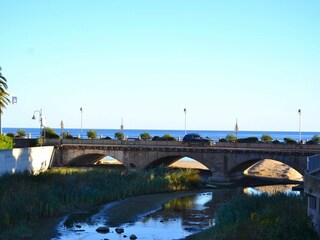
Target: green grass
{"x":25,"y":199}
{"x":278,"y":216}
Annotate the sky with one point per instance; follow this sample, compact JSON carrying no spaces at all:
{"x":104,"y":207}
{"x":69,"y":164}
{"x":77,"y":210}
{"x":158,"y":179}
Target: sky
{"x":145,"y":61}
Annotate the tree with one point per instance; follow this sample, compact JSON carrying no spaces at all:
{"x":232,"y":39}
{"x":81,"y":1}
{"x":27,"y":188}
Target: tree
{"x":289,"y":141}
{"x":6,"y":142}
{"x":119,"y":135}
{"x":50,"y":133}
{"x":167,"y":137}
{"x":316,"y":139}
{"x":21,"y":133}
{"x":231,"y":138}
{"x":92,"y":134}
{"x":266,"y":138}
{"x":145,"y":136}
{"x":4,"y":100}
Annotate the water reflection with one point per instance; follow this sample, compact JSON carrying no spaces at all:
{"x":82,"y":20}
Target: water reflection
{"x":272,"y":189}
{"x":176,"y":219}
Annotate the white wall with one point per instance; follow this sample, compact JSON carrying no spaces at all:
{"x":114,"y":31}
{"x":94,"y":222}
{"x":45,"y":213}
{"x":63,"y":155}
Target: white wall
{"x":34,"y":160}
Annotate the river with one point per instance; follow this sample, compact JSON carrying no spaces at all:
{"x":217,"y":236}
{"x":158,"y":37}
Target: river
{"x":158,"y":217}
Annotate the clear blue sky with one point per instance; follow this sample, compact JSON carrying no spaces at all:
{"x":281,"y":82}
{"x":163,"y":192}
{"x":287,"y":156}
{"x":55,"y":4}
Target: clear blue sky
{"x":145,"y":61}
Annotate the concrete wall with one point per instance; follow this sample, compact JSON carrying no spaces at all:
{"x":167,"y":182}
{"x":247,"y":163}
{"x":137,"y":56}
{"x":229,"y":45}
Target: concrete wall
{"x":33,"y":160}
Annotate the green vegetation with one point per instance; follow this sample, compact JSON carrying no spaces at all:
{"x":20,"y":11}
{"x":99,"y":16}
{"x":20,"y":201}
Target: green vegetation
{"x":119,"y":135}
{"x":50,"y":133}
{"x":314,"y":140}
{"x":231,"y":138}
{"x":278,"y":216}
{"x":6,"y":142}
{"x":145,"y":136}
{"x":25,"y":199}
{"x":4,"y":95}
{"x":167,"y":137}
{"x":289,"y":141}
{"x":21,"y":133}
{"x":266,"y":138}
{"x":92,"y":134}
{"x":248,"y":140}
{"x":10,"y":134}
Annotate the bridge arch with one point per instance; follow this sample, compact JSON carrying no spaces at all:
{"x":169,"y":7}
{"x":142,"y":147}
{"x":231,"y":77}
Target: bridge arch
{"x":271,"y":167}
{"x":178,"y":161}
{"x":94,"y":159}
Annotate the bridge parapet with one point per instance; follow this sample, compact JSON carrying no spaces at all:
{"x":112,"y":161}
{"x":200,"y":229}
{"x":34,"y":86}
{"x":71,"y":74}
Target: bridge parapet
{"x":146,"y":143}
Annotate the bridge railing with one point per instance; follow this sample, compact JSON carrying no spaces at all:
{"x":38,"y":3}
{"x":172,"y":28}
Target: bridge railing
{"x":121,"y":142}
{"x":142,"y":143}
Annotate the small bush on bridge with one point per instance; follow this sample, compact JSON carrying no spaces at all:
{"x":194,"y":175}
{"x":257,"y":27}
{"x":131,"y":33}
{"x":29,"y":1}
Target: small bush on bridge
{"x":145,"y":136}
{"x":231,"y":138}
{"x":266,"y":138}
{"x":248,"y":140}
{"x":119,"y":135}
{"x":167,"y":137}
{"x":50,"y":133}
{"x":92,"y":134}
{"x":289,"y":141}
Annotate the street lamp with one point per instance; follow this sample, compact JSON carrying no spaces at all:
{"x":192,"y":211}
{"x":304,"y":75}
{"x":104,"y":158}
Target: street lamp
{"x":81,"y":123}
{"x":299,"y":111}
{"x":185,"y":121}
{"x":40,"y":120}
{"x":236,"y":129}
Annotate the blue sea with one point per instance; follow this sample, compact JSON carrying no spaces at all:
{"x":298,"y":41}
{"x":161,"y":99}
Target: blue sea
{"x":134,"y":133}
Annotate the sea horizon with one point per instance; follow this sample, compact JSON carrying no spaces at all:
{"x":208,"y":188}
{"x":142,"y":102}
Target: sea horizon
{"x":134,"y":133}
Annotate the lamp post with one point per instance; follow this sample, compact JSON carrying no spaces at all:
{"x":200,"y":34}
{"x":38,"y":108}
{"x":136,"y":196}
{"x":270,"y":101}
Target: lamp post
{"x":185,"y":121}
{"x":299,"y":111}
{"x":41,"y":122}
{"x":236,"y":129}
{"x":81,"y":123}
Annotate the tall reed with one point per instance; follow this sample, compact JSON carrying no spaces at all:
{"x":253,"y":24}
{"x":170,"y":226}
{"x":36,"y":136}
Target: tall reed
{"x":279,"y":216}
{"x":27,"y":198}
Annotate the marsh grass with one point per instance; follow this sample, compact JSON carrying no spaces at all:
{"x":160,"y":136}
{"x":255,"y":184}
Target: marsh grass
{"x":279,"y":216}
{"x":25,"y":199}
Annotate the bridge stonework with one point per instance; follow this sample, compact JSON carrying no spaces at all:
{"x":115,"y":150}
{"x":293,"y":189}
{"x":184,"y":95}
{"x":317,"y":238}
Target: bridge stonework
{"x":226,"y":161}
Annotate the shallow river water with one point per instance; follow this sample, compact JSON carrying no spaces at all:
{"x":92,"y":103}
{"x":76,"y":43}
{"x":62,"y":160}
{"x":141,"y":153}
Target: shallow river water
{"x":176,"y":218}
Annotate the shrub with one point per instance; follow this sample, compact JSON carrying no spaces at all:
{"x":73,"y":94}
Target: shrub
{"x":119,"y":135}
{"x":248,"y":140}
{"x":266,"y":138}
{"x":50,"y":133}
{"x":167,"y":137}
{"x":231,"y":138}
{"x":10,"y":134}
{"x":316,"y":139}
{"x":222,"y":140}
{"x":6,"y":142}
{"x":156,"y":138}
{"x":263,"y":217}
{"x":276,"y":141}
{"x":21,"y":133}
{"x":92,"y":134}
{"x":108,"y":138}
{"x":145,"y":136}
{"x":289,"y":141}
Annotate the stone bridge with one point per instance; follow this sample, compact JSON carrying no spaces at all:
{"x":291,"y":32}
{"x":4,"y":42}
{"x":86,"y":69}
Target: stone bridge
{"x":226,"y":161}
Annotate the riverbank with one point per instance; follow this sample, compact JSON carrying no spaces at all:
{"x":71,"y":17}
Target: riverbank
{"x":278,"y":216}
{"x":26,"y":199}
